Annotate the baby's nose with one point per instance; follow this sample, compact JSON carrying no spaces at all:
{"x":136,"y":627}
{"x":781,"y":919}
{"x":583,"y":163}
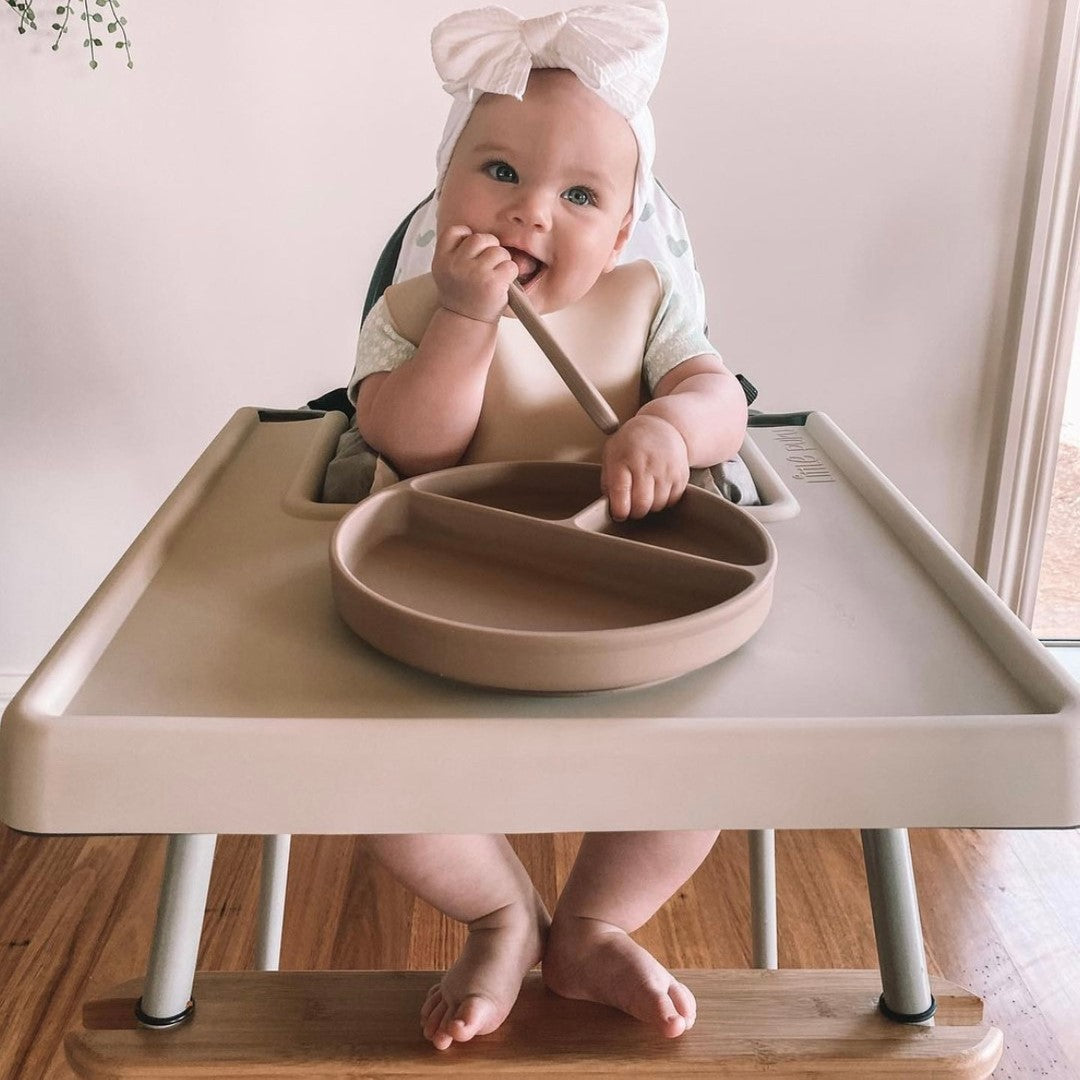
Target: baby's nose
{"x":530,"y":209}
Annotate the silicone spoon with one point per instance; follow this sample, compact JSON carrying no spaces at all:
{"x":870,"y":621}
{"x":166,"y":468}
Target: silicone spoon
{"x":589,"y":398}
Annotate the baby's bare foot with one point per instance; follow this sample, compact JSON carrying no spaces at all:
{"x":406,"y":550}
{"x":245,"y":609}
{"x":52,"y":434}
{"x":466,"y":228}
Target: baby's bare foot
{"x":477,"y":993}
{"x":595,"y":961}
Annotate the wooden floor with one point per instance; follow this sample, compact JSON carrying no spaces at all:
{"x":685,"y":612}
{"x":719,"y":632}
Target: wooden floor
{"x":1001,"y":914}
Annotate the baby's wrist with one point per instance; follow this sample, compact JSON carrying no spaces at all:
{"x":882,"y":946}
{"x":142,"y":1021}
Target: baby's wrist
{"x":645,"y":413}
{"x":466,"y":315}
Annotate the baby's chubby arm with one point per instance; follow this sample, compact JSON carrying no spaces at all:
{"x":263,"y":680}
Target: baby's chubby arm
{"x":423,"y":414}
{"x":696,"y":418}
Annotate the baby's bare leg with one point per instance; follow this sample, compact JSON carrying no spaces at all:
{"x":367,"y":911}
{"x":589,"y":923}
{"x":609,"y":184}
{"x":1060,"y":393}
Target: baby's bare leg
{"x":618,"y":882}
{"x":480,"y":881}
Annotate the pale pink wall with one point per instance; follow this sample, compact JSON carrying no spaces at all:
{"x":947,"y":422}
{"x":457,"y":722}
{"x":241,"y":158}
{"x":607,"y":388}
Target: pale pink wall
{"x":197,"y":234}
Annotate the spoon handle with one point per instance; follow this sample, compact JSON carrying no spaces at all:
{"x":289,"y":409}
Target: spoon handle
{"x":589,"y":398}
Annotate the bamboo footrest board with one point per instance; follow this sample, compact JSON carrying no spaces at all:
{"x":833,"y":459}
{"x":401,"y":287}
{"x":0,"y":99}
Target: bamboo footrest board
{"x":364,"y":1025}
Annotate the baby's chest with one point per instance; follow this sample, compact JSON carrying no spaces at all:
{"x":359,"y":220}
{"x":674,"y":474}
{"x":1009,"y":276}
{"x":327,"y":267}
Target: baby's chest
{"x":528,"y":411}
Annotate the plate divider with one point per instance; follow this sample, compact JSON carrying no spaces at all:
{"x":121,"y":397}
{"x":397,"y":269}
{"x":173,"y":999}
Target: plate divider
{"x":650,"y":553}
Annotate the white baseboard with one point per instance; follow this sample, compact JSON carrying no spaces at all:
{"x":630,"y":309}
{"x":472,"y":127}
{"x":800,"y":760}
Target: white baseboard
{"x":9,"y":686}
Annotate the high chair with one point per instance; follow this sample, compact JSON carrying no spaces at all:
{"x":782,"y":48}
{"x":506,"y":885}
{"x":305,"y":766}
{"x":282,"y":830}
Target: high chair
{"x":889,"y":687}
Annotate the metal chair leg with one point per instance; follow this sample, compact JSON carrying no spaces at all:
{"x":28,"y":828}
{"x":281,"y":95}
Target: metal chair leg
{"x":763,"y":897}
{"x":905,"y":983}
{"x":166,"y":999}
{"x":275,"y":874}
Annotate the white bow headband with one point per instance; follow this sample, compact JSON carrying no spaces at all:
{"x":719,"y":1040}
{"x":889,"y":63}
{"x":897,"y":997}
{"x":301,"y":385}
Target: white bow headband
{"x":615,"y":50}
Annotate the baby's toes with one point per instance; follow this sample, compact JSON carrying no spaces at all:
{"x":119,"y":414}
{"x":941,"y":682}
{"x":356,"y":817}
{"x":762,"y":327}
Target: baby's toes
{"x":672,"y":1023}
{"x":433,"y":999}
{"x":434,"y":1019}
{"x":468,"y":1018}
{"x":663,"y":1007}
{"x":684,"y":1001}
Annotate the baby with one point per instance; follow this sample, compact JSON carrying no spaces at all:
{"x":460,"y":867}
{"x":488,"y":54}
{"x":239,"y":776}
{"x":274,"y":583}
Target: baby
{"x":544,"y":169}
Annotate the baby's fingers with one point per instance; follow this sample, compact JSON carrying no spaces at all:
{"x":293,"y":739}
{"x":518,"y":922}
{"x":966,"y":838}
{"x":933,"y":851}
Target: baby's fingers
{"x":496,"y":258}
{"x":643,"y":494}
{"x":631,"y":494}
{"x":450,"y":238}
{"x":479,"y":244}
{"x":616,"y":483}
{"x":675,"y":492}
{"x":662,"y":497}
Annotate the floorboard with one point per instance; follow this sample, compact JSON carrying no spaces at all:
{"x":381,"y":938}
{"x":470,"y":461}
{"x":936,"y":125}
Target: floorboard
{"x":1001,"y":915}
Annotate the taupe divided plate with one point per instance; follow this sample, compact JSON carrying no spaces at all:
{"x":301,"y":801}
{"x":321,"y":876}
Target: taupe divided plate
{"x":515,"y":576}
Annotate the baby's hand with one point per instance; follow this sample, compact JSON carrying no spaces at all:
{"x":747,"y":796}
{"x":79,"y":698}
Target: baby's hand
{"x":472,"y":273}
{"x":644,"y":467}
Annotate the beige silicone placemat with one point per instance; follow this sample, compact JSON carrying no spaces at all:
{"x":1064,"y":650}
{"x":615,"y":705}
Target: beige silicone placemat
{"x":239,"y":621}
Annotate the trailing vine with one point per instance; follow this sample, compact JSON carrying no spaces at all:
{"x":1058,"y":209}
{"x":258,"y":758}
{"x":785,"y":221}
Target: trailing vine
{"x":114,"y":23}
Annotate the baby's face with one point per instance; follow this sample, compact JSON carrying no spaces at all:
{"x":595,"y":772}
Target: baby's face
{"x":552,"y":177}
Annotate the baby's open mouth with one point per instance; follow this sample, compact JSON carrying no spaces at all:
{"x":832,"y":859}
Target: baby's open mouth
{"x":528,"y":267}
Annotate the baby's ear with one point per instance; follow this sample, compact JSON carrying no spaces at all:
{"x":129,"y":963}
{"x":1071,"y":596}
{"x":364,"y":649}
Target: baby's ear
{"x":620,"y":240}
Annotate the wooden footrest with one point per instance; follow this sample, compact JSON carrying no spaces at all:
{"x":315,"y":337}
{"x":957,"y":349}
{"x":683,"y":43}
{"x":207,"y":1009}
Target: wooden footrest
{"x":364,"y":1025}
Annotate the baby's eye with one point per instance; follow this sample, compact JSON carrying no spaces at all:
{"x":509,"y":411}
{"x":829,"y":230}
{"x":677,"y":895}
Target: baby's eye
{"x":580,"y":196}
{"x":499,"y":170}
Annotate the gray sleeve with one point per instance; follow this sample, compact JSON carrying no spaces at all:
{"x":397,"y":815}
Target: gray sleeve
{"x":379,"y":348}
{"x":676,"y":333}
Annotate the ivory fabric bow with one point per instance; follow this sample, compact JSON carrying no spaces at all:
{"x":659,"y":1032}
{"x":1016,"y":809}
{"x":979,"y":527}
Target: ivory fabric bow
{"x":615,"y":50}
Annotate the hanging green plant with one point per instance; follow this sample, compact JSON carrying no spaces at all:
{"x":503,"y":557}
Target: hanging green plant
{"x":116,"y":24}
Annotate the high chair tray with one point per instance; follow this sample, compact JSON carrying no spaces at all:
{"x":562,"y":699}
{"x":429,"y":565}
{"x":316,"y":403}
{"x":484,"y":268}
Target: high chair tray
{"x":210,"y":685}
{"x":515,"y":576}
